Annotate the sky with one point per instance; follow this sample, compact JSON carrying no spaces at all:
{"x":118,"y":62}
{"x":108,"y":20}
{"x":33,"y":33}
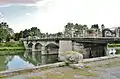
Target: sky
{"x":52,"y":15}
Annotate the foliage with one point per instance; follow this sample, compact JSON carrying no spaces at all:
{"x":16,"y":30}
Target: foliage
{"x":32,"y":32}
{"x":5,"y":32}
{"x":17,"y":36}
{"x":11,"y":44}
{"x":117,"y":51}
{"x":95,"y":26}
{"x":113,"y":45}
{"x":71,"y":56}
{"x":74,"y":30}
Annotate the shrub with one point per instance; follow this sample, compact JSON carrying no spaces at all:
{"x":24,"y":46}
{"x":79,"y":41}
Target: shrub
{"x":113,"y":45}
{"x":117,"y":51}
{"x":72,"y":56}
{"x":11,"y":44}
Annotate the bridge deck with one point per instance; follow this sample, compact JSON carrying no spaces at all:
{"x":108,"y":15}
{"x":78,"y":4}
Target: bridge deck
{"x":85,"y":39}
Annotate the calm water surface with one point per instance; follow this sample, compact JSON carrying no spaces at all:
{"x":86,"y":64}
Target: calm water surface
{"x":24,"y":60}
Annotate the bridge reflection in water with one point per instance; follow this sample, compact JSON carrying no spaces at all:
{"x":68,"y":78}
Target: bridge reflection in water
{"x":25,"y":59}
{"x":37,"y":59}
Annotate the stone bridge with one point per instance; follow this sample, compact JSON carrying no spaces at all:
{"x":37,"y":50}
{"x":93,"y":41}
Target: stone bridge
{"x":94,"y":46}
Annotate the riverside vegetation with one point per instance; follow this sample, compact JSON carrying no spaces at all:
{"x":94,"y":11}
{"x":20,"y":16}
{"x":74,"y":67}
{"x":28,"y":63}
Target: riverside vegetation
{"x":113,"y":45}
{"x":7,"y":47}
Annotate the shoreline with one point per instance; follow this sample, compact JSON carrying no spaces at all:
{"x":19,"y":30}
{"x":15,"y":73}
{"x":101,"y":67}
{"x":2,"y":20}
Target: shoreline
{"x":11,"y":48}
{"x":47,"y":66}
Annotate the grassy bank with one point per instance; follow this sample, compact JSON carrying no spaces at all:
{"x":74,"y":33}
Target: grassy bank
{"x":16,"y":52}
{"x":113,"y":45}
{"x":11,"y":46}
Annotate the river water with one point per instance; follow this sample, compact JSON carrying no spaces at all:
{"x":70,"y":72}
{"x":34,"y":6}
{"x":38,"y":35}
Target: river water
{"x":25,"y":60}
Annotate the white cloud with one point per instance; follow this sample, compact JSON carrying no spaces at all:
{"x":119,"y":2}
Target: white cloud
{"x":52,"y":15}
{"x":28,"y":14}
{"x":5,"y":5}
{"x":89,"y":12}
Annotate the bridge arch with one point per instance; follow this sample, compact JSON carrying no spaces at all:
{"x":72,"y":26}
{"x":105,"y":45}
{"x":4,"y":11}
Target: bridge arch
{"x":107,"y":30}
{"x":52,"y":48}
{"x":38,"y":46}
{"x":51,"y":43}
{"x":30,"y":45}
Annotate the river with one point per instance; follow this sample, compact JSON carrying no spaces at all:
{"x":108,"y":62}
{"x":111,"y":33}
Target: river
{"x":25,"y":60}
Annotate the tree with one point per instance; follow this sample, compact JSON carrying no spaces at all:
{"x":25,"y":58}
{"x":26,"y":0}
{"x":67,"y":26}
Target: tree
{"x":34,"y":31}
{"x":17,"y":36}
{"x":59,"y":34}
{"x":8,"y":37}
{"x":78,"y":30}
{"x":6,"y":33}
{"x":68,"y":30}
{"x":3,"y":34}
{"x":26,"y":33}
{"x":75,"y":30}
{"x":4,"y":25}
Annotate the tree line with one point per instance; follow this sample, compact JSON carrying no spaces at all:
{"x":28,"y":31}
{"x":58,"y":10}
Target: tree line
{"x":70,"y":30}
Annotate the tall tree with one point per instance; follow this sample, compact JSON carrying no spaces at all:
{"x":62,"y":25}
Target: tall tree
{"x":34,"y":31}
{"x":6,"y":33}
{"x":3,"y":34}
{"x":59,"y":34}
{"x":68,"y":30}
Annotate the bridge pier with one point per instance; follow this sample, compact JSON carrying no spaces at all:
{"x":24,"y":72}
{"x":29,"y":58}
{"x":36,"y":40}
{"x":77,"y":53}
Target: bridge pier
{"x":65,"y":45}
{"x":43,"y":50}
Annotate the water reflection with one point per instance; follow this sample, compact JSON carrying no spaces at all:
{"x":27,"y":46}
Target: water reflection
{"x":26,"y":59}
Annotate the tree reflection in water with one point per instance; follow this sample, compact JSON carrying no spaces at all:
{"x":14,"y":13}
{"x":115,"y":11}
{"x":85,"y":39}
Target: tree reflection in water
{"x":25,"y":59}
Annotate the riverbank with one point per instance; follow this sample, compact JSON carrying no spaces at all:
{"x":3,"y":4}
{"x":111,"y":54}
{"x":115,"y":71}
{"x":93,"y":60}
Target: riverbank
{"x":7,"y":46}
{"x":11,"y":48}
{"x":91,"y":70}
{"x":12,"y":52}
{"x":105,"y":69}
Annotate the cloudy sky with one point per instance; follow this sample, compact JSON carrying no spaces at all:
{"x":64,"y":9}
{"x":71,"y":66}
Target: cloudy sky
{"x":52,"y":15}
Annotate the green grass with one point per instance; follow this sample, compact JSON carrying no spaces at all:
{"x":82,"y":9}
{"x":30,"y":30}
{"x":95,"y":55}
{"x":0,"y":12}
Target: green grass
{"x":113,"y":45}
{"x":11,"y":44}
{"x":117,"y":51}
{"x":11,"y":48}
{"x":8,"y":46}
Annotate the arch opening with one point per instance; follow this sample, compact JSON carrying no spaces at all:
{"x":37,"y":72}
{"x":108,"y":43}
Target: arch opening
{"x":52,"y":48}
{"x":30,"y":45}
{"x":38,"y":46}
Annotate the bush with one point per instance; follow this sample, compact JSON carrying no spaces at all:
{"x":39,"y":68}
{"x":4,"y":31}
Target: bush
{"x":12,"y":44}
{"x":117,"y":51}
{"x":113,"y":45}
{"x":71,"y":56}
